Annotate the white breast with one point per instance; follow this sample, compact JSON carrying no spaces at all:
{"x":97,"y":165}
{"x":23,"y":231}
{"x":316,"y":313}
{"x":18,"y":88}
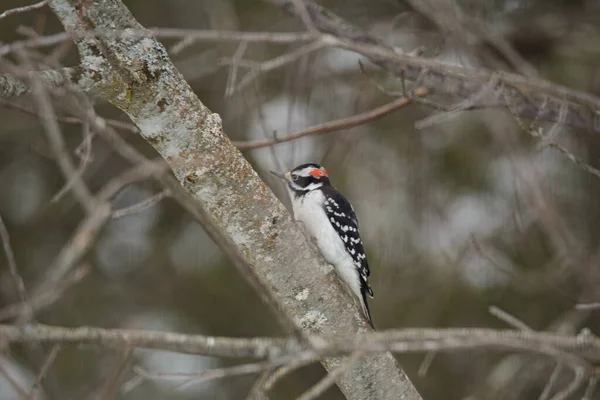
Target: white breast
{"x":309,"y":210}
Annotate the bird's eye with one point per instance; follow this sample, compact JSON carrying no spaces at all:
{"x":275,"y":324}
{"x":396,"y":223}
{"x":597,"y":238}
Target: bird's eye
{"x":295,"y":178}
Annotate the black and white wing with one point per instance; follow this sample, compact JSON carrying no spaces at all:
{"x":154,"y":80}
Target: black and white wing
{"x":343,"y":219}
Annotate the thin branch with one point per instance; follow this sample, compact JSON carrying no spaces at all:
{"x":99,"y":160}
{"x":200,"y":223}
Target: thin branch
{"x":426,"y":363}
{"x":225,"y":372}
{"x":509,"y":319}
{"x":278,"y":62}
{"x":12,"y":382}
{"x":257,"y":348}
{"x":44,"y":370}
{"x":305,"y":17}
{"x":85,"y":159}
{"x":120,"y":125}
{"x":281,"y":372}
{"x":580,"y":163}
{"x":19,"y":84}
{"x":190,"y":36}
{"x":591,"y":388}
{"x":466,"y":104}
{"x":58,"y":146}
{"x":337,"y":125}
{"x":257,"y":392}
{"x":12,"y":267}
{"x":111,"y":386}
{"x":233,"y":71}
{"x":139,"y":172}
{"x":588,"y":306}
{"x":142,"y":205}
{"x":329,"y":379}
{"x":578,"y":380}
{"x":45,"y":299}
{"x":23,"y":9}
{"x":551,"y":382}
{"x":78,"y":245}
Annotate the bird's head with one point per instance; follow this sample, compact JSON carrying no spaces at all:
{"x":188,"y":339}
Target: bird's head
{"x":304,"y":178}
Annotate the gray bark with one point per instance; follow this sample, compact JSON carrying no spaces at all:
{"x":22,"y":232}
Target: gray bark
{"x":237,"y":208}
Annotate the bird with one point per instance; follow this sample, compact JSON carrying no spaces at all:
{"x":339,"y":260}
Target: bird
{"x":330,"y":220}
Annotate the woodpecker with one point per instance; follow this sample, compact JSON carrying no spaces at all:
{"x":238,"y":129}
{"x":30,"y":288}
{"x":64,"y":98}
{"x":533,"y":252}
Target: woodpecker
{"x":330,"y":220}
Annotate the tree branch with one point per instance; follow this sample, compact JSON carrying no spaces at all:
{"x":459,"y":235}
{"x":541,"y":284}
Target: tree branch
{"x":584,"y":347}
{"x":337,"y":125}
{"x":18,"y":10}
{"x":78,"y":77}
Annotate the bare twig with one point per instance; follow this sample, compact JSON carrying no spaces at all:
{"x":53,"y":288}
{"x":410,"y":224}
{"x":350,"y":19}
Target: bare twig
{"x":333,"y":126}
{"x":466,"y":104}
{"x":588,"y":306}
{"x":111,"y":386}
{"x":426,"y":363}
{"x":12,"y":267}
{"x":71,"y":254}
{"x":580,"y":163}
{"x":142,"y":205}
{"x":18,"y":83}
{"x":305,"y":17}
{"x":142,"y":171}
{"x":257,"y":348}
{"x":591,"y":388}
{"x":58,"y":146}
{"x":85,"y":158}
{"x":509,"y":319}
{"x":45,"y":299}
{"x":18,"y":10}
{"x":225,"y":372}
{"x":257,"y":392}
{"x":329,"y":379}
{"x":12,"y":382}
{"x":120,"y":125}
{"x":44,"y":370}
{"x":232,"y":76}
{"x":277,"y":374}
{"x":190,"y":36}
{"x":558,"y":369}
{"x":277,"y":62}
{"x":578,"y":380}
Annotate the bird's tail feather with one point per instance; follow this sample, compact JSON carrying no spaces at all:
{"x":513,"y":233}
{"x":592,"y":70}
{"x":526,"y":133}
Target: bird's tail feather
{"x":365,"y":307}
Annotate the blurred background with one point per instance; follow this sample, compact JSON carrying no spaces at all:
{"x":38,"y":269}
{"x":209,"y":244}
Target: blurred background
{"x":464,"y":213}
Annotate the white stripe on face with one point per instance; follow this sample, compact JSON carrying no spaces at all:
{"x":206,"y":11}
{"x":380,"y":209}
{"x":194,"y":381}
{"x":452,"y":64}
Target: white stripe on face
{"x":313,"y":186}
{"x":305,"y":171}
{"x":308,"y":188}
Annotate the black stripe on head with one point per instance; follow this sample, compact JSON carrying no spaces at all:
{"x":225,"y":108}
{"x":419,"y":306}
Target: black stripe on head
{"x":308,"y":177}
{"x":304,"y":167}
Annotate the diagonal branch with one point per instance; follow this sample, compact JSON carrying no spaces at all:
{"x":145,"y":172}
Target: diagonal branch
{"x":337,"y":125}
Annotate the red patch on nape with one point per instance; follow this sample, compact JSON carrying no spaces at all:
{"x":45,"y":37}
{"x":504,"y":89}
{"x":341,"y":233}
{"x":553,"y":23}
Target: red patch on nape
{"x":317,"y":173}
